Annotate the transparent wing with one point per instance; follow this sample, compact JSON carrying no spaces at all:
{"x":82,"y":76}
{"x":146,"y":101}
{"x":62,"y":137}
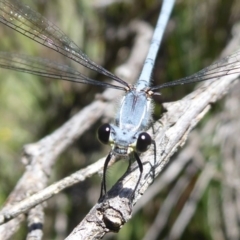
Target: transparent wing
{"x":31,"y":24}
{"x":46,"y":68}
{"x":223,"y":67}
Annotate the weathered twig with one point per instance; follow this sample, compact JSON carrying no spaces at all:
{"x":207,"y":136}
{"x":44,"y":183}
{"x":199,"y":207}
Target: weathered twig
{"x":170,"y":201}
{"x":190,"y":206}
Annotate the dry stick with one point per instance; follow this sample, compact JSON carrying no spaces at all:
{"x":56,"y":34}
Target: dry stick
{"x":181,"y":117}
{"x":41,"y":156}
{"x":37,"y":198}
{"x":35,"y":223}
{"x":230,"y":217}
{"x":190,"y":206}
{"x":171,"y":200}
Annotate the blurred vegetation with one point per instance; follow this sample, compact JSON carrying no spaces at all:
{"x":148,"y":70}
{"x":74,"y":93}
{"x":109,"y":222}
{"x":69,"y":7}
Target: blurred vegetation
{"x":31,"y":107}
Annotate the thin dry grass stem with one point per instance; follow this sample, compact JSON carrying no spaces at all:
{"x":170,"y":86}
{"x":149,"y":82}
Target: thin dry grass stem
{"x":170,"y":202}
{"x":190,"y":206}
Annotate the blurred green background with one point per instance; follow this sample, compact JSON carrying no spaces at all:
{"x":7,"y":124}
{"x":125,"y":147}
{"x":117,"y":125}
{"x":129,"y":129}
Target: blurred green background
{"x":32,"y":107}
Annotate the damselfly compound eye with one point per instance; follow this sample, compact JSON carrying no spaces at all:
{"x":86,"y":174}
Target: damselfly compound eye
{"x":144,"y":141}
{"x":104,"y":133}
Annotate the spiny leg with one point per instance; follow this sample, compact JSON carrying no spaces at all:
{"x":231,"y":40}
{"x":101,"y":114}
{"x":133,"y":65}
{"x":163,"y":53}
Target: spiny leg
{"x":103,"y":183}
{"x":141,"y":170}
{"x":140,"y":165}
{"x":155,"y":157}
